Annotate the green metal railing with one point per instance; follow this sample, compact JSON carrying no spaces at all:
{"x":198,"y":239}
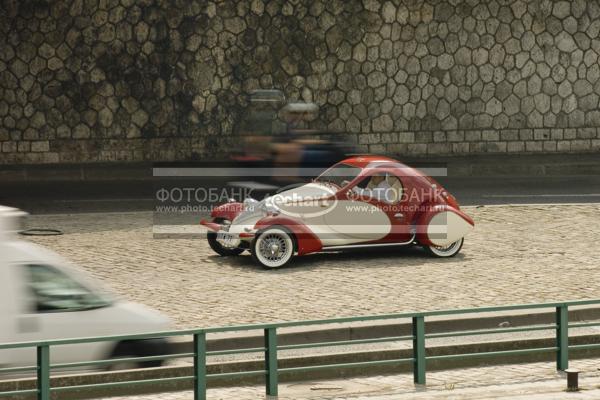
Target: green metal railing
{"x":271,"y":370}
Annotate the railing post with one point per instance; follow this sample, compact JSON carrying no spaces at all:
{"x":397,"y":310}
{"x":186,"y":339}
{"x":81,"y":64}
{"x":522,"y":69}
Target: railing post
{"x":418,"y":326}
{"x":271,"y":361}
{"x":200,"y":366}
{"x":562,"y":337}
{"x":43,"y":372}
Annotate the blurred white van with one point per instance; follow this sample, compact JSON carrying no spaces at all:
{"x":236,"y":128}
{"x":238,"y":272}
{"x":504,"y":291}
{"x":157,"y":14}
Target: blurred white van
{"x":42,"y":297}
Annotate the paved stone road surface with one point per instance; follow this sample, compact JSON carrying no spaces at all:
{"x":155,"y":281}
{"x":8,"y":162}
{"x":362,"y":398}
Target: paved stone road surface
{"x":538,"y":381}
{"x":517,"y":254}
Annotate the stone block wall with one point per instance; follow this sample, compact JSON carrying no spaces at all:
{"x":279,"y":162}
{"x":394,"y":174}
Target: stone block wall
{"x":125,"y":80}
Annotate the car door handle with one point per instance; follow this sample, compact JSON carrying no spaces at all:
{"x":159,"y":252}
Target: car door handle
{"x":399,"y":215}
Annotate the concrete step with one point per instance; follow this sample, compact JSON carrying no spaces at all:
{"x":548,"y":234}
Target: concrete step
{"x":373,"y":329}
{"x":335,"y":355}
{"x":304,"y":361}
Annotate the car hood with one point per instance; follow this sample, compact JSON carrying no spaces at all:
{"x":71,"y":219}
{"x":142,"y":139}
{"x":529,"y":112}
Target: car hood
{"x":257,"y":210}
{"x":310,"y":191}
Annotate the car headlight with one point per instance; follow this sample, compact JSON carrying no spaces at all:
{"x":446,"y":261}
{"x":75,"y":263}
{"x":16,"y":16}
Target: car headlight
{"x":269,"y":209}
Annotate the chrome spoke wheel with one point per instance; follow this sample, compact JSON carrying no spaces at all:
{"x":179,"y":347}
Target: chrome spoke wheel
{"x":273,"y":248}
{"x":445,"y":251}
{"x":220,"y":245}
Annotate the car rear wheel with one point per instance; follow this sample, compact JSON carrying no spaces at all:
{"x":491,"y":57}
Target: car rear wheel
{"x":447,"y":251}
{"x":273,"y":248}
{"x":218,"y":247}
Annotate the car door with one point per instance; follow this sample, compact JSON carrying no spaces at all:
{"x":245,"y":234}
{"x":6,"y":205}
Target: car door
{"x":399,"y":208}
{"x":381,"y":215}
{"x":359,"y":217}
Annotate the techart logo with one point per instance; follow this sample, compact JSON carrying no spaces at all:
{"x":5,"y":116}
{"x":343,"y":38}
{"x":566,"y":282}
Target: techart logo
{"x":308,"y":201}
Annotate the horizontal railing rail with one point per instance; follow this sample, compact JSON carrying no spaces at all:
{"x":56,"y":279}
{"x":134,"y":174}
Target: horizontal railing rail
{"x":271,"y":348}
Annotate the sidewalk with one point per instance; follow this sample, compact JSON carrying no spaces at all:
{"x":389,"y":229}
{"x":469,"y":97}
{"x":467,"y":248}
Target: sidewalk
{"x":525,"y":381}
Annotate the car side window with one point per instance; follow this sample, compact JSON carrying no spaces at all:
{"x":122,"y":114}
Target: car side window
{"x":381,"y":186}
{"x":396,"y":189}
{"x":55,"y":291}
{"x":363,"y":183}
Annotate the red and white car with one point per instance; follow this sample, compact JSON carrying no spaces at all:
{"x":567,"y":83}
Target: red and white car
{"x":365,"y":201}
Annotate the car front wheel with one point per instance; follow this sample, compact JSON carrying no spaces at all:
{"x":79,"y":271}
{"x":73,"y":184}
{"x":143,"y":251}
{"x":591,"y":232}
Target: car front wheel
{"x":218,"y":247}
{"x":273,"y":248}
{"x":447,"y":251}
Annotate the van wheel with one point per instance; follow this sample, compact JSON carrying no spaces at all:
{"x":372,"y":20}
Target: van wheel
{"x":138,"y":348}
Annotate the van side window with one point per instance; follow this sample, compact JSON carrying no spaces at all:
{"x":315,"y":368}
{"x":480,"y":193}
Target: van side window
{"x":55,"y":291}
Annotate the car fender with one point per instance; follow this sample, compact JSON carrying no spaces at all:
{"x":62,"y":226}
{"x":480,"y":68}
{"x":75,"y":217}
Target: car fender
{"x":442,"y":224}
{"x":227,"y":211}
{"x":306,"y":240}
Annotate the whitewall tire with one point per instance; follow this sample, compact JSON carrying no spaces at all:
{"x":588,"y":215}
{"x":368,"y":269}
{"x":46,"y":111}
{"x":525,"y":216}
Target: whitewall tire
{"x":448,"y":251}
{"x":218,"y":247}
{"x":273,"y":248}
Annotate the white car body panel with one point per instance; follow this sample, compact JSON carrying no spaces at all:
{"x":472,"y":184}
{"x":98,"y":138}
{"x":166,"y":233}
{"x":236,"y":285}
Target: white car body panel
{"x":327,"y":218}
{"x":447,"y":227}
{"x":359,"y":221}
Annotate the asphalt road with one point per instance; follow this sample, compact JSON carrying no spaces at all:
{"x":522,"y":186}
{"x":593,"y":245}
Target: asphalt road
{"x":74,"y":197}
{"x":524,"y":190}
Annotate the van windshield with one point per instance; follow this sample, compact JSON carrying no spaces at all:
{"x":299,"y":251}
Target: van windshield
{"x":55,"y":291}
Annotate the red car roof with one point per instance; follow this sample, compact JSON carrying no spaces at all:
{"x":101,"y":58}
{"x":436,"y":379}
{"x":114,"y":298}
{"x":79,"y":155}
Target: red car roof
{"x":382,"y":161}
{"x":363,"y":161}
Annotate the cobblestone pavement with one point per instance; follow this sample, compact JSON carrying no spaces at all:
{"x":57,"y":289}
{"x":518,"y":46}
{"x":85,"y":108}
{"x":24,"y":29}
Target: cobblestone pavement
{"x":517,"y":254}
{"x":525,"y":381}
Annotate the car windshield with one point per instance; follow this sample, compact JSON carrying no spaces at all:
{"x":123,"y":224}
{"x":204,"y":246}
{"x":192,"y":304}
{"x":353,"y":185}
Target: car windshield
{"x":339,"y":175}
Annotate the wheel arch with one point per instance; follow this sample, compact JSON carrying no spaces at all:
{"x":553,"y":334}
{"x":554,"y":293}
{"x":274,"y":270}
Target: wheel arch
{"x":305,"y":240}
{"x":282,"y":227}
